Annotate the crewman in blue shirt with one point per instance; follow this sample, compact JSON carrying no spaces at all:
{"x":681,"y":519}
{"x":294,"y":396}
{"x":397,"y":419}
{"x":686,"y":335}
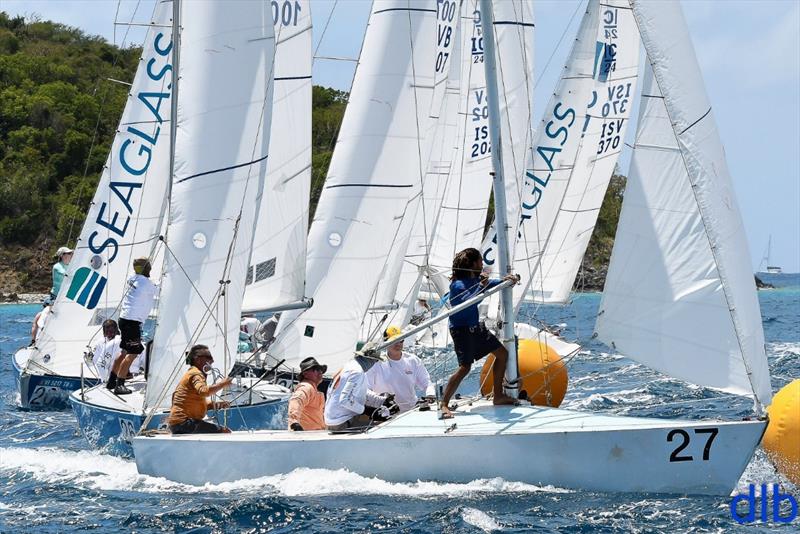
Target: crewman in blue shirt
{"x":471,"y":339}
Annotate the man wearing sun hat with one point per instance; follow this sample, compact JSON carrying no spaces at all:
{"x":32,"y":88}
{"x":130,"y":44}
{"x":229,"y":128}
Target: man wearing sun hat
{"x":307,"y":404}
{"x":402,"y":374}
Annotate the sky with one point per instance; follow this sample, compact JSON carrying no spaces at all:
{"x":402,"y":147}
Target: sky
{"x":748,"y":50}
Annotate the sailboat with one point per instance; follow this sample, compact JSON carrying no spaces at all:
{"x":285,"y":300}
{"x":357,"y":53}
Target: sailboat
{"x":124,"y":221}
{"x":680,"y":297}
{"x":766,"y":260}
{"x":217,"y":172}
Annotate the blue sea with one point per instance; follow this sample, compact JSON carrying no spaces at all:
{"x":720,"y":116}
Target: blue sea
{"x":51,"y":481}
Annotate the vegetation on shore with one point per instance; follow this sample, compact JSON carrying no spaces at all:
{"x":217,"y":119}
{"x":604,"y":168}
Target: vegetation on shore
{"x":59,"y":109}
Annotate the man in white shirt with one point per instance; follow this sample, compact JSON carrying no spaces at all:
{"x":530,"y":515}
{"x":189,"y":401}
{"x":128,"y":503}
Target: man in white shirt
{"x":107,"y":350}
{"x":401,"y":375}
{"x":350,"y":398}
{"x":137,"y":302}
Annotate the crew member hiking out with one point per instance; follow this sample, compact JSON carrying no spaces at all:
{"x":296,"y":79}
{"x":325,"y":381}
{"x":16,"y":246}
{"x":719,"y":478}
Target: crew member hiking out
{"x":136,"y":305}
{"x":471,"y":339}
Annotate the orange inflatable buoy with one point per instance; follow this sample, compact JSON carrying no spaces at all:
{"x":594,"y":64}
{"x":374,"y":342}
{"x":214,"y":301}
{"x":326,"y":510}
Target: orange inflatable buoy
{"x":782,"y":439}
{"x":543,"y":373}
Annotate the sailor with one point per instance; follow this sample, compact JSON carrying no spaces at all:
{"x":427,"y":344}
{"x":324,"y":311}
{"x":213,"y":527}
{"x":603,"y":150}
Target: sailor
{"x":107,"y":350}
{"x":190,"y":401}
{"x":471,"y":339}
{"x":40,"y":319}
{"x":401,"y":374}
{"x":64,"y":255}
{"x":422,"y":310}
{"x":249,"y":325}
{"x":266,"y":332}
{"x":307,"y":404}
{"x":136,"y":305}
{"x":351,"y":403}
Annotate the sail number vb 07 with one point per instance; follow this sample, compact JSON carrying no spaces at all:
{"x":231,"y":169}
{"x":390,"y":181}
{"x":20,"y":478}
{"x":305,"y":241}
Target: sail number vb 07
{"x":683,"y":438}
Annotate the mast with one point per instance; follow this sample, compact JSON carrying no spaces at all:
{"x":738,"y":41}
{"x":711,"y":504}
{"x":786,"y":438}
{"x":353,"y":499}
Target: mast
{"x":173,"y":122}
{"x":498,"y":186}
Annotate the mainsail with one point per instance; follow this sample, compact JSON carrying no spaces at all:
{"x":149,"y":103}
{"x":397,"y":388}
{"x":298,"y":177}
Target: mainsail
{"x":125,"y":217}
{"x":374,"y":169}
{"x":277,"y":270}
{"x":680,"y":295}
{"x":576,"y":151}
{"x":225,"y":100}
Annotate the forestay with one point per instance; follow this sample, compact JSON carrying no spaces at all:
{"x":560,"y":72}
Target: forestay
{"x":576,"y":151}
{"x":125,"y":216}
{"x":375,"y":165}
{"x":680,"y":295}
{"x":277,"y":268}
{"x":225,"y":96}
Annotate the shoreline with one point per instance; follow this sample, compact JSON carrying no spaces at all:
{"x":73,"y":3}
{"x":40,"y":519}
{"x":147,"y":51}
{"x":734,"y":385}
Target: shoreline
{"x":22,"y":298}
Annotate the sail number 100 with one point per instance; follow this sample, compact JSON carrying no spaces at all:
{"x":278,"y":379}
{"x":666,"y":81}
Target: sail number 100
{"x":683,"y":438}
{"x":285,"y":12}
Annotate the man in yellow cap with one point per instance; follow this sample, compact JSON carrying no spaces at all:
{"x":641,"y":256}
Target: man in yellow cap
{"x":402,"y":374}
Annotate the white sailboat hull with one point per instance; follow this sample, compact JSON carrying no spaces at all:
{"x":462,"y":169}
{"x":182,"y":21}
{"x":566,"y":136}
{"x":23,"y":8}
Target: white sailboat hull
{"x":528,"y":444}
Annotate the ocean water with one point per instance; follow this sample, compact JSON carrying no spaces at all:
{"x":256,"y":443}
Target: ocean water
{"x":51,"y":481}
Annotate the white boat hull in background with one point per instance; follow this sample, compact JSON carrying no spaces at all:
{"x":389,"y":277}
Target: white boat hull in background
{"x":535,"y":445}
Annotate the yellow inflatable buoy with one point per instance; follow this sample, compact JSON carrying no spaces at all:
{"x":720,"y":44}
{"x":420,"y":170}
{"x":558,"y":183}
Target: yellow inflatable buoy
{"x":782,"y":439}
{"x":543,"y":374}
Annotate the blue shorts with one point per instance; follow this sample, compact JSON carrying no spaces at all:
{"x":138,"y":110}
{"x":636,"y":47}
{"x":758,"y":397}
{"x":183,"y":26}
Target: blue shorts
{"x":473,"y":343}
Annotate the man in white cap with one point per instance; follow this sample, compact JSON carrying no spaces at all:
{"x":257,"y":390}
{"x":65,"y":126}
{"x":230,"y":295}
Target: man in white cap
{"x":402,"y":374}
{"x":64,"y":255}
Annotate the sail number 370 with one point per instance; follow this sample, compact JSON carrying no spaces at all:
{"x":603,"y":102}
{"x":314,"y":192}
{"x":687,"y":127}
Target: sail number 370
{"x":683,"y":438}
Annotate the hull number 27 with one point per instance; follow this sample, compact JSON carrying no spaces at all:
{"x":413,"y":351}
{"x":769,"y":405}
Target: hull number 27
{"x":683,"y":438}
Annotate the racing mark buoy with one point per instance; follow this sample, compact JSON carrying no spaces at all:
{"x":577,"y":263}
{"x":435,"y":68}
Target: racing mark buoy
{"x":543,"y":373}
{"x":782,"y":439}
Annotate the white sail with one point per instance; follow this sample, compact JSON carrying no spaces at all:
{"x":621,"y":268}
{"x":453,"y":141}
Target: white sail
{"x":576,"y":151}
{"x":224,"y":106}
{"x":278,"y":266}
{"x":414,"y":266}
{"x":680,"y":295}
{"x":374,"y":168}
{"x":514,"y":30}
{"x":432,"y":177}
{"x":462,"y":216}
{"x":125,"y":217}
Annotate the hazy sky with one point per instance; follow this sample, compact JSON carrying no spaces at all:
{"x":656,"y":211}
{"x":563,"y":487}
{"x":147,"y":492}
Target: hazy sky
{"x":749,"y":51}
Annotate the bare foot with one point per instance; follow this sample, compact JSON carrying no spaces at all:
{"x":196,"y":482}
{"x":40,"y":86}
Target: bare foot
{"x":504,"y":400}
{"x":446,"y":413}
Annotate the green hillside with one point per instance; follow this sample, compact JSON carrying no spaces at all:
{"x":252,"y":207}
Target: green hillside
{"x":59,"y":109}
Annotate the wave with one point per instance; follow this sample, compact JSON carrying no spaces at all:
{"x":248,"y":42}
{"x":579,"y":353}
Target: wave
{"x":94,"y":470}
{"x":480,"y":519}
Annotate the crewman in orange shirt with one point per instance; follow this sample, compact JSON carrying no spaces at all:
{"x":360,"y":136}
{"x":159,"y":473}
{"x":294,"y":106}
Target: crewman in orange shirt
{"x":307,"y":404}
